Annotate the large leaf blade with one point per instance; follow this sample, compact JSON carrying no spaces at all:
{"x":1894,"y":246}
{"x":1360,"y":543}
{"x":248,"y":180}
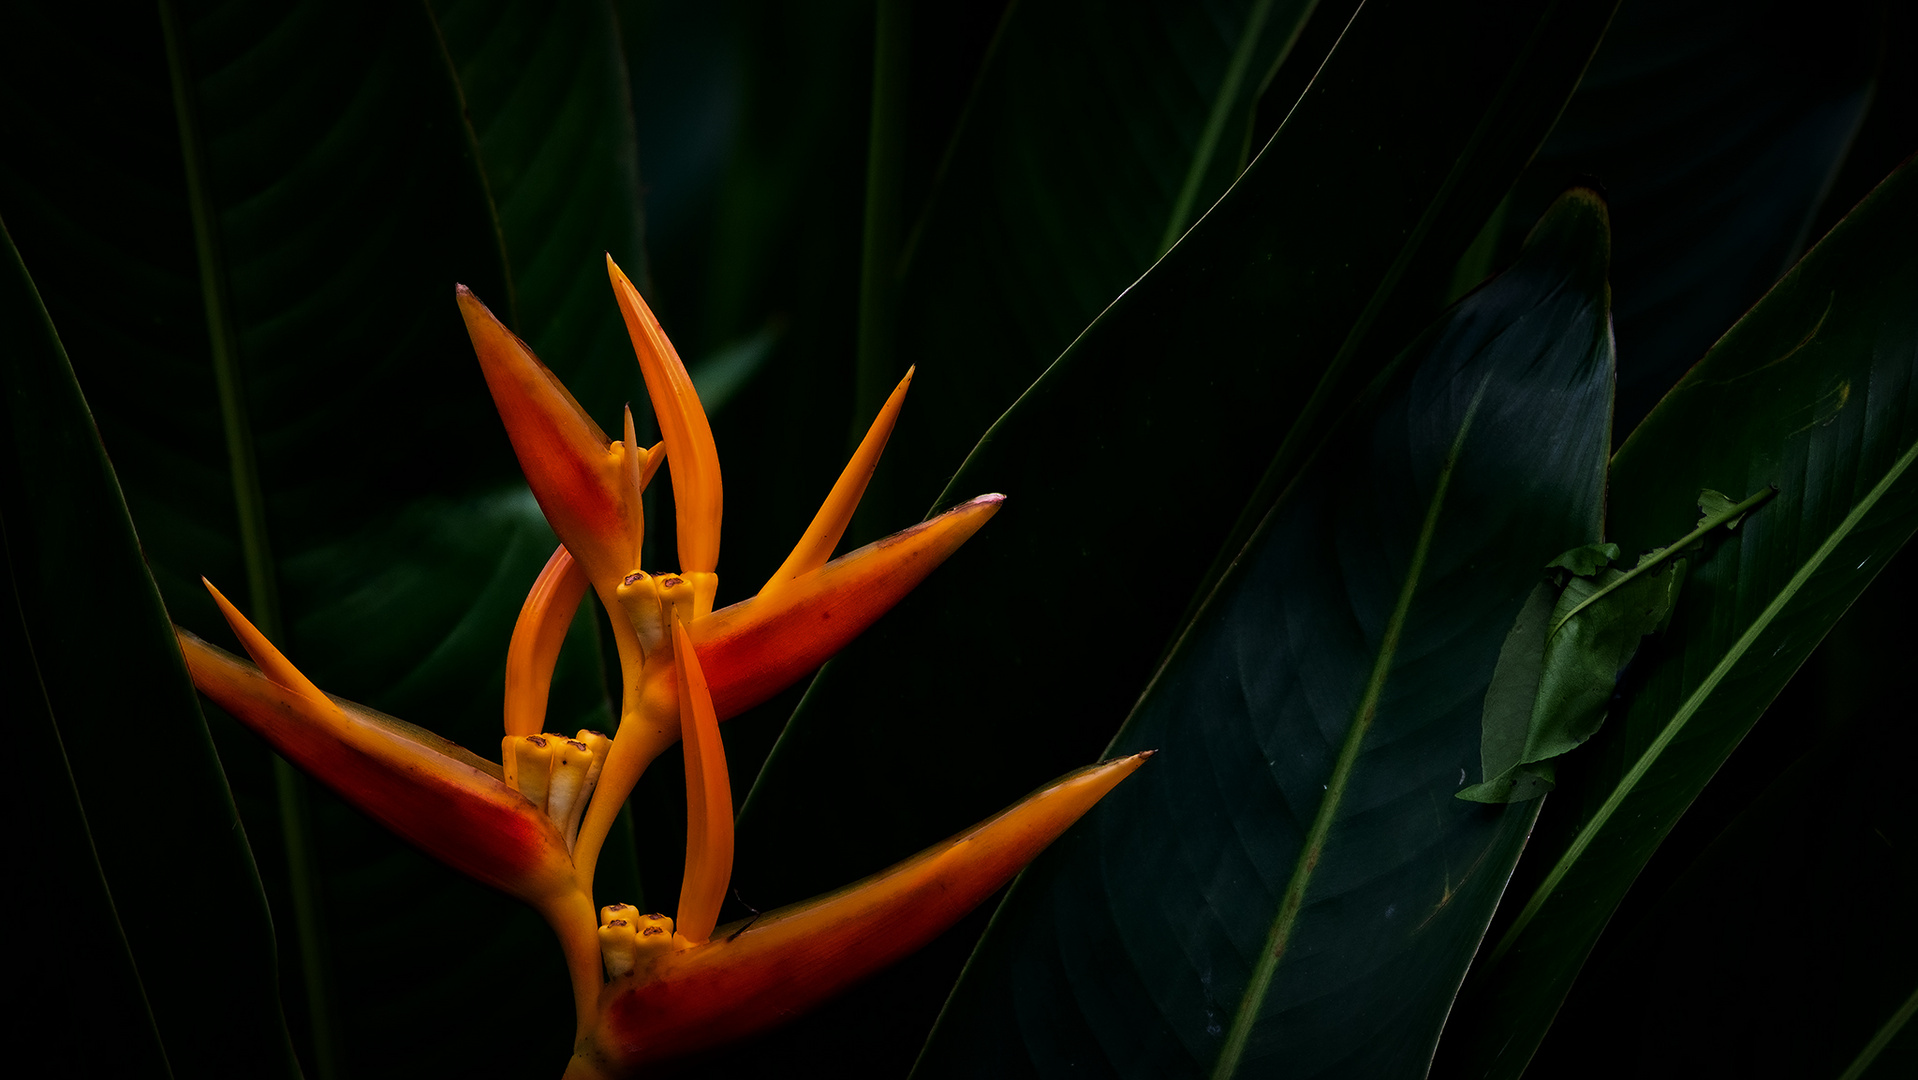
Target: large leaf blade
{"x":1033,"y":621}
{"x":1812,"y":390}
{"x":1716,"y":127}
{"x":1094,"y":136}
{"x":1293,"y":885}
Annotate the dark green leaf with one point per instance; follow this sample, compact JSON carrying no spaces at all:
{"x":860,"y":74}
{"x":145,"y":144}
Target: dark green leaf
{"x":1585,"y":561}
{"x":1290,"y":885}
{"x":545,"y":89}
{"x":345,"y":193}
{"x":1715,"y":127}
{"x":1593,"y":632}
{"x":1506,"y":720}
{"x":1126,"y":465}
{"x":1801,"y":878}
{"x":1580,"y":666}
{"x":177,"y":876}
{"x":1813,"y":391}
{"x":1095,"y":135}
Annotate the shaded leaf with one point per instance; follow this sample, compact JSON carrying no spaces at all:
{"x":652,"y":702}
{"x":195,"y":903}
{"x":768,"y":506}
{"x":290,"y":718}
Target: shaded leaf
{"x":1094,"y":136}
{"x":130,"y":728}
{"x":1292,"y":887}
{"x":1593,"y":632}
{"x":545,"y":88}
{"x":1813,"y":391}
{"x":1585,"y":561}
{"x":345,"y":200}
{"x":1126,"y":465}
{"x":1506,"y":721}
{"x":1715,"y":127}
{"x":1802,"y":877}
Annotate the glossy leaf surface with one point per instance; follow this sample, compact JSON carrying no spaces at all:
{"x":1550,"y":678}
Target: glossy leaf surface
{"x":1813,"y":391}
{"x":96,"y":634}
{"x":1298,"y":890}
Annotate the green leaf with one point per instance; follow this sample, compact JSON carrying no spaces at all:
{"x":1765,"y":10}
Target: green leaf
{"x":177,"y":879}
{"x":1795,"y":869}
{"x":1095,"y":135}
{"x":1506,"y":720}
{"x":549,"y":108}
{"x":1585,"y":561}
{"x":347,"y":181}
{"x":1593,"y":632}
{"x":1814,"y":391}
{"x":1289,"y":885}
{"x":1126,"y":465}
{"x":1582,"y":650}
{"x":1715,"y":128}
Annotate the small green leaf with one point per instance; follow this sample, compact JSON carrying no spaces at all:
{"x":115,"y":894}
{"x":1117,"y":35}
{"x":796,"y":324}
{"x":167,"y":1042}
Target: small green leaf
{"x":1583,"y":659}
{"x":1594,"y":630}
{"x":1586,"y":561}
{"x":1506,"y":723}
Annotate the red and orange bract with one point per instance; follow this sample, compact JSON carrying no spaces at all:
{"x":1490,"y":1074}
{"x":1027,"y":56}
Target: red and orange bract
{"x":685,"y":667}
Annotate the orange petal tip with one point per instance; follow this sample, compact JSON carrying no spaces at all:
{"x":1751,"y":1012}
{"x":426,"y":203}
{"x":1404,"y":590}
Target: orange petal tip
{"x":751,"y":976}
{"x":758,"y":647}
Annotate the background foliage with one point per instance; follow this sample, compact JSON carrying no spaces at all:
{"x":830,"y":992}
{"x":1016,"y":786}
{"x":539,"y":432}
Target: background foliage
{"x":244,"y":221}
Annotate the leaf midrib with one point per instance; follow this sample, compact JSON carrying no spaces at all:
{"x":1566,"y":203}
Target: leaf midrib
{"x":1696,"y":700}
{"x":1293,"y":901}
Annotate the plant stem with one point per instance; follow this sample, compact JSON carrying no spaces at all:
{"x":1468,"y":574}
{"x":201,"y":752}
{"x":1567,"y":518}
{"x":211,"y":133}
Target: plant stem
{"x":1711,"y":522}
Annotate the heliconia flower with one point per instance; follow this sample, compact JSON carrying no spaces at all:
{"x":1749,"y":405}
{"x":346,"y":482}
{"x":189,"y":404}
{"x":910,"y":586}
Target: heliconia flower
{"x":649,"y":987}
{"x":590,"y":488}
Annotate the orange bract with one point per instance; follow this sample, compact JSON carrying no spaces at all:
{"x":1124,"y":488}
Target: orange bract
{"x":534,"y":826}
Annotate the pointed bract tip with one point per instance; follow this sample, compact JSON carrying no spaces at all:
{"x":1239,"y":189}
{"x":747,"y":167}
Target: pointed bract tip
{"x":267,"y":656}
{"x":742,"y":980}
